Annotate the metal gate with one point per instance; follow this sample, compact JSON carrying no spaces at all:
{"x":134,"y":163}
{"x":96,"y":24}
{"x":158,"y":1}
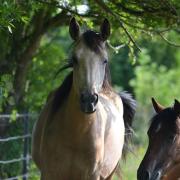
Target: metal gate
{"x":15,"y":147}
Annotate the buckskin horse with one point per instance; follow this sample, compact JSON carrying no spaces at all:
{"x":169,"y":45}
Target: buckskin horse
{"x":162,"y":158}
{"x":81,"y":130}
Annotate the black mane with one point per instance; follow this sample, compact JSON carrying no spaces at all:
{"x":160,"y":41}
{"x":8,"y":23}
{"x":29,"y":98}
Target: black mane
{"x":167,"y":117}
{"x":129,"y":106}
{"x":62,"y":92}
{"x":92,"y":40}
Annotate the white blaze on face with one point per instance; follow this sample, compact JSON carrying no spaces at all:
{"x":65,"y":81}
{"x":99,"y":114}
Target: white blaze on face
{"x":89,"y":70}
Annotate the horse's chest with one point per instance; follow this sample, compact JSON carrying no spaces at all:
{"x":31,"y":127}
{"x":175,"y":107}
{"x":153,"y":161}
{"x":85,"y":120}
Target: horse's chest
{"x":68,"y":153}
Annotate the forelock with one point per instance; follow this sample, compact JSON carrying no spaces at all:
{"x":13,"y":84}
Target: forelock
{"x":166,"y":117}
{"x":93,"y":40}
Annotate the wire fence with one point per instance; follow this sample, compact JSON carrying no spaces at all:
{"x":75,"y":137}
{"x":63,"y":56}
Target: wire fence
{"x":15,"y":147}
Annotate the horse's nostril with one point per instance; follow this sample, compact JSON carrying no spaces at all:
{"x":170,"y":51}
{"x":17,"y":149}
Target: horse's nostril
{"x":143,"y":174}
{"x":94,"y":98}
{"x":146,"y":175}
{"x":89,"y":98}
{"x":88,"y":102}
{"x":158,"y":175}
{"x":83,"y":98}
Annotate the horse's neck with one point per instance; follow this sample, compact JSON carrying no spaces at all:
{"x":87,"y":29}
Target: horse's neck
{"x":173,"y":172}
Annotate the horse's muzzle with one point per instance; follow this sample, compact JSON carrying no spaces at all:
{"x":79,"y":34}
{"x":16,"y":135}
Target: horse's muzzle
{"x":88,"y":102}
{"x":147,"y":175}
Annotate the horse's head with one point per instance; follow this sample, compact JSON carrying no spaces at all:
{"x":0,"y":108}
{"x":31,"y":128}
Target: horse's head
{"x":89,"y":59}
{"x":164,"y":143}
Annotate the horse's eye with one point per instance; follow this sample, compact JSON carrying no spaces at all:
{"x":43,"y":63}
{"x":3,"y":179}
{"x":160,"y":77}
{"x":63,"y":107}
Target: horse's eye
{"x":105,"y":61}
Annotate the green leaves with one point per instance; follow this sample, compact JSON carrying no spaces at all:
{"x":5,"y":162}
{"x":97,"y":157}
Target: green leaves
{"x":10,"y":29}
{"x":153,"y":80}
{"x":55,"y":47}
{"x":25,"y":19}
{"x":13,"y":116}
{"x":12,"y":12}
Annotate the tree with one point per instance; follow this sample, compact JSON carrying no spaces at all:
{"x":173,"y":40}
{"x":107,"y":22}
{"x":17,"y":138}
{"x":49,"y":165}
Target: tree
{"x":154,"y":79}
{"x":24,"y":23}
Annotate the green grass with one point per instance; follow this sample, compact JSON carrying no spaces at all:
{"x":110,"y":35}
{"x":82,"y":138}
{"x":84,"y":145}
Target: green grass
{"x":130,"y":165}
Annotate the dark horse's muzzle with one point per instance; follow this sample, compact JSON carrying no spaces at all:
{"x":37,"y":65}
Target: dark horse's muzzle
{"x":144,"y":174}
{"x":88,"y":102}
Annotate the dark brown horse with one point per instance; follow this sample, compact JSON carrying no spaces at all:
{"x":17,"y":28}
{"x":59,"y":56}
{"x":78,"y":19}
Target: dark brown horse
{"x":81,"y":130}
{"x":162,"y":159}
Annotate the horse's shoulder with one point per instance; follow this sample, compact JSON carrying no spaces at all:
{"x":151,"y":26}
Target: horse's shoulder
{"x":114,"y":134}
{"x":39,"y":126}
{"x":117,"y":101}
{"x":114,"y":98}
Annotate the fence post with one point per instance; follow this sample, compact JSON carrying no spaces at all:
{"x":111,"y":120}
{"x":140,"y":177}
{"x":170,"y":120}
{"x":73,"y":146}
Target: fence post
{"x":26,"y":146}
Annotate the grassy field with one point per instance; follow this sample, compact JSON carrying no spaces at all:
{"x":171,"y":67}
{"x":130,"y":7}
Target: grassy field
{"x":130,"y":165}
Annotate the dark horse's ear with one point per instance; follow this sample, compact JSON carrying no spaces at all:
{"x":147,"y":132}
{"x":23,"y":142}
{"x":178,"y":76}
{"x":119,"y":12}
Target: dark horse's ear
{"x":105,"y":30}
{"x":177,"y":107}
{"x":74,"y":29}
{"x":157,"y":107}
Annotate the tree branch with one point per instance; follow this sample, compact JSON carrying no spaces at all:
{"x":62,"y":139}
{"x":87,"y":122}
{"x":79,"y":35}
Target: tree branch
{"x":108,"y":10}
{"x":59,"y":20}
{"x":169,"y":42}
{"x":128,"y":10}
{"x":25,"y":58}
{"x":66,"y":9}
{"x":41,"y":26}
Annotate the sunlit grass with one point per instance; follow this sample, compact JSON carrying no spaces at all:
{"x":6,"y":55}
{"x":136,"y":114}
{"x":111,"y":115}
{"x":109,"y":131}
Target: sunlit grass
{"x":130,"y":165}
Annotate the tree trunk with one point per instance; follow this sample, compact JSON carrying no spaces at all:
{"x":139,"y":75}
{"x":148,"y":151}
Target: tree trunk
{"x":21,"y":55}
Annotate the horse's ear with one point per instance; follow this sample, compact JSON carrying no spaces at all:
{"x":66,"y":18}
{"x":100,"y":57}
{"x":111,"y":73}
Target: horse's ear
{"x":177,"y":107}
{"x":74,"y":29}
{"x":105,"y":30}
{"x":157,"y":107}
